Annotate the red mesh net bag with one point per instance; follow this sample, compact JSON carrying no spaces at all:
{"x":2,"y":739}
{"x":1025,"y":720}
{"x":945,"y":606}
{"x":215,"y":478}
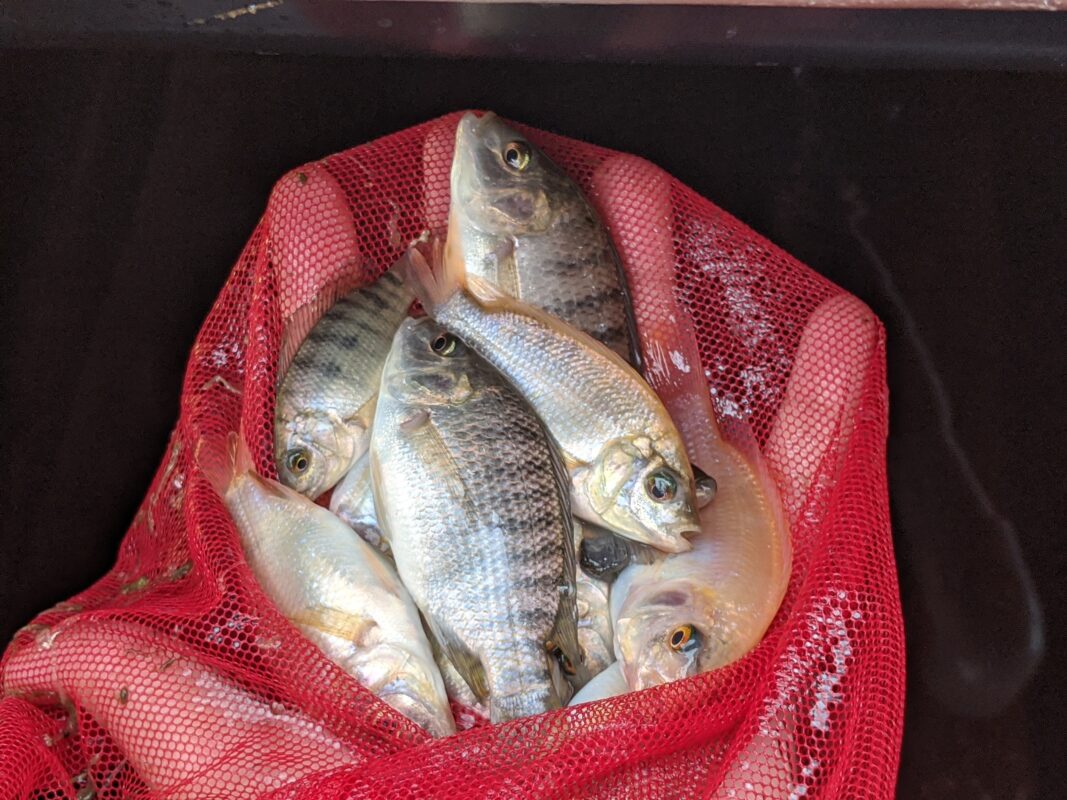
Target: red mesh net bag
{"x":175,"y":677}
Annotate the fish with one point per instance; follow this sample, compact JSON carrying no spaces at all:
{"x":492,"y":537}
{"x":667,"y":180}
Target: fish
{"x":472,"y":497}
{"x":335,"y":588}
{"x":524,"y":226}
{"x":353,"y":501}
{"x":628,"y":467}
{"x":594,"y":617}
{"x":688,"y":613}
{"x":326,"y":399}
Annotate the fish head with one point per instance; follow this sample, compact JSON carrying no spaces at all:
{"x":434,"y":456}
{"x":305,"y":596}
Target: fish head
{"x":665,"y":631}
{"x":407,"y":679}
{"x":315,"y":450}
{"x":638,"y":494}
{"x":428,"y":365}
{"x":501,"y":183}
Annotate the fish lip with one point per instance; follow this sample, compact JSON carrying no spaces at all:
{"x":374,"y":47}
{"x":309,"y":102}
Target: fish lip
{"x":674,"y":544}
{"x":470,"y":125}
{"x":674,"y":541}
{"x":463,"y":179}
{"x":466,"y":128}
{"x":671,"y":540}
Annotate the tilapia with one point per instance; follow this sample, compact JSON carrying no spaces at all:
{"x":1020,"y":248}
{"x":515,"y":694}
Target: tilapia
{"x":472,"y":498}
{"x":628,"y":467}
{"x":594,"y":618}
{"x":524,"y":226}
{"x":335,"y":588}
{"x":326,"y":399}
{"x":353,"y":501}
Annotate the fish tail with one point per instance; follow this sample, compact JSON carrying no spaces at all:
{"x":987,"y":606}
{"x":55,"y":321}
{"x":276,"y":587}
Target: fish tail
{"x":436,"y":277}
{"x":222,"y":457}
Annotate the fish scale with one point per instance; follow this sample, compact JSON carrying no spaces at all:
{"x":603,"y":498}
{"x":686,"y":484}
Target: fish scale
{"x":472,"y":500}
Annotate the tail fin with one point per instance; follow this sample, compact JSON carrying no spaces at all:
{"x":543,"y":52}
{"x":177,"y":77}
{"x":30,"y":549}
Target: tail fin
{"x":434,"y":277}
{"x":222,"y":457}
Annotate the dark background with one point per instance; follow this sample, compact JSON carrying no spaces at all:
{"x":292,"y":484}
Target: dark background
{"x":130,"y":178}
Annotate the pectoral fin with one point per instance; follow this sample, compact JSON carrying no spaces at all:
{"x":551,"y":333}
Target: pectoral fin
{"x":335,"y":622}
{"x":467,"y":664}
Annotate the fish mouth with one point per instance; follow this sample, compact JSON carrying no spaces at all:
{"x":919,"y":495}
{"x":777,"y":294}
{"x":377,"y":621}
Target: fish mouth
{"x":463,"y":180}
{"x":666,"y":538}
{"x":471,"y":125}
{"x":469,"y":134}
{"x":673,"y":541}
{"x":437,"y":722}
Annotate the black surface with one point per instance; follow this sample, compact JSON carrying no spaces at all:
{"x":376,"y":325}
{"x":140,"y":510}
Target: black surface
{"x":557,"y":32}
{"x":131,"y":179}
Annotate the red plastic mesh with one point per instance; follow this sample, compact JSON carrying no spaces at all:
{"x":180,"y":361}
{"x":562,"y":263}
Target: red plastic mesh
{"x":174,"y":676}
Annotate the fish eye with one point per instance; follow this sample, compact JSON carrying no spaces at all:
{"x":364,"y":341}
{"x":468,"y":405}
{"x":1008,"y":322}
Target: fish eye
{"x":444,"y":344}
{"x":517,"y":155}
{"x":557,"y":653}
{"x":297,"y":461}
{"x":661,"y":486}
{"x":684,"y":638}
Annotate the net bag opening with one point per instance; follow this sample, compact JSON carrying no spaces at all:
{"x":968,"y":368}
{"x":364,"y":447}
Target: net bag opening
{"x":175,"y":677}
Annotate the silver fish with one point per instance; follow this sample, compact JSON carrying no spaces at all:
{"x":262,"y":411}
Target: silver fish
{"x":525,"y":227}
{"x":472,"y":499}
{"x":340,"y":592}
{"x":326,"y":399}
{"x":353,"y":501}
{"x":628,"y":466}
